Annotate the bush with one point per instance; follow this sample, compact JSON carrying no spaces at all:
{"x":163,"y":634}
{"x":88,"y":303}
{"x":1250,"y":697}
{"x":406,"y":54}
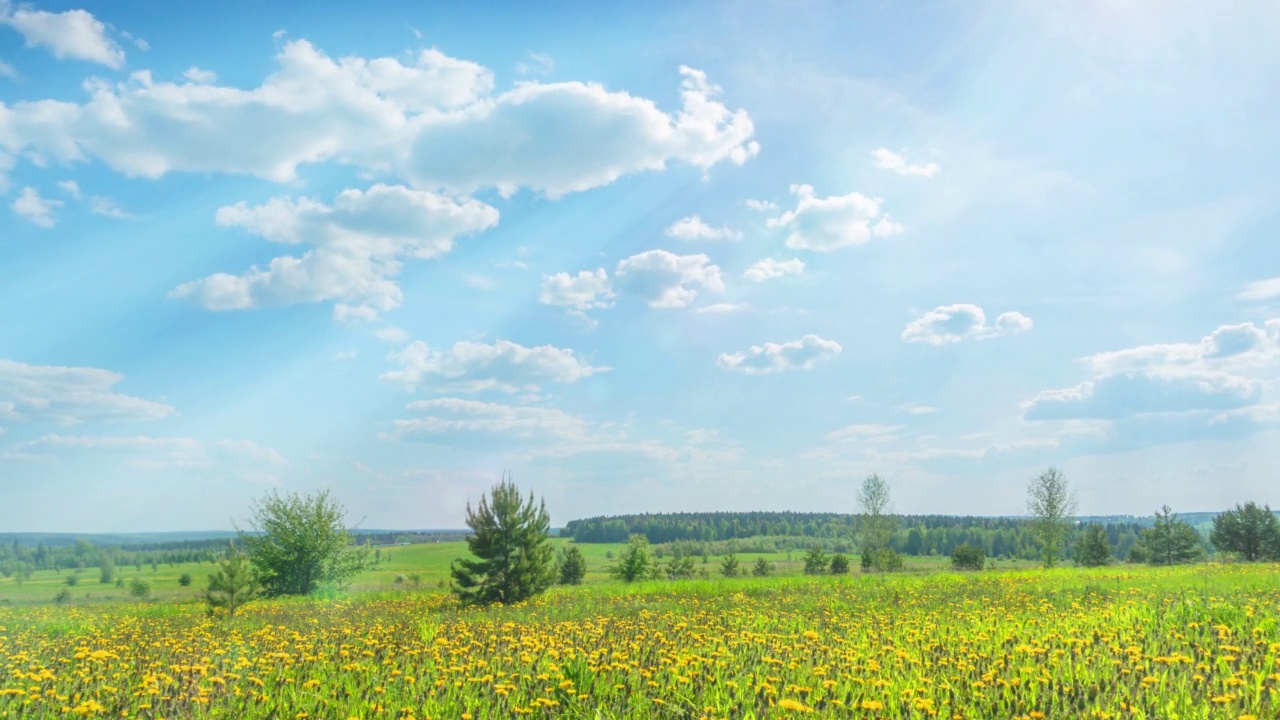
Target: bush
{"x":400,"y":579}
{"x":839,"y":564}
{"x":139,"y":588}
{"x":884,"y":559}
{"x":637,"y":561}
{"x":968,"y":557}
{"x":72,"y":580}
{"x":185,"y":579}
{"x":63,"y":597}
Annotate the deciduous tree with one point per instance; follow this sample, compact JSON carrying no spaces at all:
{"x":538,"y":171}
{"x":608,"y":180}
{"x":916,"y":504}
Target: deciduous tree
{"x":1051,"y":504}
{"x":1250,"y":531}
{"x":300,"y":543}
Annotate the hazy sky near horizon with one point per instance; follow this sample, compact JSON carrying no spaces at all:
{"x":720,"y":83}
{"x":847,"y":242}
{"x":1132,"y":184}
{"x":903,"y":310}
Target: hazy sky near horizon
{"x":646,"y":256}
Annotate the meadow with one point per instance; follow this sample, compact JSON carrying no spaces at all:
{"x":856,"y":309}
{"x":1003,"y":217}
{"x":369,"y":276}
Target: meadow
{"x":1185,"y":642}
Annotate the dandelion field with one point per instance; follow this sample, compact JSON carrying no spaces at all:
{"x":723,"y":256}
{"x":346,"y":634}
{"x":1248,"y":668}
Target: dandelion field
{"x":1187,"y":642}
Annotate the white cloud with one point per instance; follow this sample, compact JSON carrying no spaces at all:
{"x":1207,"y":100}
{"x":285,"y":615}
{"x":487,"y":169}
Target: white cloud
{"x":721,"y":308}
{"x":7,"y":70}
{"x":831,"y":223}
{"x":760,"y":205}
{"x":475,"y":367}
{"x":1226,"y":374}
{"x":37,"y":210}
{"x":153,"y":453}
{"x":769,"y":269}
{"x":693,"y":228}
{"x":886,"y":159}
{"x":359,"y":245}
{"x":666,"y":280}
{"x":459,"y":422}
{"x":434,"y":122}
{"x":70,"y":187}
{"x":68,"y":395}
{"x":199,"y":76}
{"x":799,"y":354}
{"x":393,"y":335}
{"x":539,"y":64}
{"x":919,"y":409}
{"x":107,"y":207}
{"x":74,"y":34}
{"x":343,"y":355}
{"x":1261,"y":290}
{"x":962,"y":321}
{"x":863,"y":432}
{"x":585,"y":291}
{"x":481,"y":282}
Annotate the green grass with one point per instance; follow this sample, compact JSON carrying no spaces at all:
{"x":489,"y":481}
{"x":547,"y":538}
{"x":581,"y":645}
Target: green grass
{"x":430,"y":561}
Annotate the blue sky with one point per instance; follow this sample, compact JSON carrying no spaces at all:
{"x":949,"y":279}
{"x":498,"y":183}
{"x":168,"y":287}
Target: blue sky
{"x":648,"y":257}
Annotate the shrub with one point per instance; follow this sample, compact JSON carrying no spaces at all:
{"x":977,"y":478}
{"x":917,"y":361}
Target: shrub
{"x":762,"y":568}
{"x":63,"y":597}
{"x":139,"y":588}
{"x":839,"y":564}
{"x":72,"y":580}
{"x":968,"y":557}
{"x":729,"y":566}
{"x":185,"y":579}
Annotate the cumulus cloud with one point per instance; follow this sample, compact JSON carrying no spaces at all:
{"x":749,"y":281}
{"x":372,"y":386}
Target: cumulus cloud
{"x":962,"y":321}
{"x":36,"y":209}
{"x":800,"y":354}
{"x":359,"y":244}
{"x":106,"y":207}
{"x":1223,"y":375}
{"x":824,"y":224}
{"x":666,"y":280}
{"x":585,"y":291}
{"x":68,"y":395}
{"x":7,"y":70}
{"x":434,"y":121}
{"x":474,"y":367}
{"x":722,"y":308}
{"x":769,"y":269}
{"x":1261,"y":290}
{"x":694,"y":228}
{"x":200,"y":76}
{"x":70,"y":35}
{"x":886,"y":159}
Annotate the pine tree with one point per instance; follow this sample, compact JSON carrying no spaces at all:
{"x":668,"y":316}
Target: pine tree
{"x":573,"y":566}
{"x":762,"y":568}
{"x":729,"y":566}
{"x":1093,"y":550}
{"x":234,"y":584}
{"x":1170,"y":541}
{"x":815,"y":561}
{"x":1251,"y":531}
{"x":511,"y":541}
{"x":839,"y":564}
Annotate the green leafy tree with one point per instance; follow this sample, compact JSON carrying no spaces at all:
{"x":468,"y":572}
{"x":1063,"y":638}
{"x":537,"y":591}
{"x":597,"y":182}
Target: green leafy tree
{"x":968,"y":557}
{"x":839,"y":564}
{"x":72,"y":580}
{"x":636,"y":562}
{"x":573,"y":566}
{"x":510,"y":539}
{"x":729,"y":566}
{"x":232,"y":585}
{"x":762,"y":568}
{"x":875,"y":524}
{"x":184,"y":579}
{"x":815,"y":561}
{"x":1093,"y":549}
{"x":300,"y":543}
{"x":107,"y":570}
{"x":1051,"y":504}
{"x":1250,"y":531}
{"x":1171,"y":541}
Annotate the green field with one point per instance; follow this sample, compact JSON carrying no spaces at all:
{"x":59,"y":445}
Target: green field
{"x":430,"y":561}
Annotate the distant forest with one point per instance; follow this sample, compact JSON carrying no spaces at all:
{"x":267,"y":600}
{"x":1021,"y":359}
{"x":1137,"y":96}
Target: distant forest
{"x":720,"y":532}
{"x":69,"y":552}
